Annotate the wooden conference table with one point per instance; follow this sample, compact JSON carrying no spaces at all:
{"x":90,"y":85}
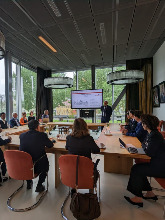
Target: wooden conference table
{"x":116,"y":159}
{"x":16,"y":130}
{"x":92,"y":126}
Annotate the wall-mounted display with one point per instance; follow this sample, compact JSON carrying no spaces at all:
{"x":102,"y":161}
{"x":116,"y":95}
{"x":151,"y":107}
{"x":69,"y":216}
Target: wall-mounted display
{"x":162,"y":92}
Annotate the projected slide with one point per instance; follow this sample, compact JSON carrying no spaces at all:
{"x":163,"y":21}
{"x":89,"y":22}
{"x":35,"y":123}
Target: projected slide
{"x":87,"y":99}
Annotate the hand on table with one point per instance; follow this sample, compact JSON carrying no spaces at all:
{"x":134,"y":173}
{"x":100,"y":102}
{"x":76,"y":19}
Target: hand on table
{"x":9,"y":138}
{"x":124,"y":131}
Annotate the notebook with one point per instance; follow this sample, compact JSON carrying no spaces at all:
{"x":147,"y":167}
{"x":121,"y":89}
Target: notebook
{"x":131,"y":148}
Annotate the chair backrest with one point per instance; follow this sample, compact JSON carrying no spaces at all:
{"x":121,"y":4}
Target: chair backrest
{"x":67,"y":164}
{"x":161,"y":181}
{"x":19,"y":164}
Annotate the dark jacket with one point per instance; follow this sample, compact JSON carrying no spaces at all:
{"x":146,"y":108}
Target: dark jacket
{"x":13,"y":122}
{"x":4,"y":142}
{"x":133,"y":124}
{"x":3,"y":167}
{"x":31,"y":118}
{"x":34,"y":143}
{"x":106,"y":113}
{"x":139,"y":132}
{"x":154,"y":146}
{"x":2,"y":125}
{"x":83,"y":146}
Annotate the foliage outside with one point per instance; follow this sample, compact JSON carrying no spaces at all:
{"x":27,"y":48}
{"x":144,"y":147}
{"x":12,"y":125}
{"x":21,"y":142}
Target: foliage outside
{"x":62,"y":97}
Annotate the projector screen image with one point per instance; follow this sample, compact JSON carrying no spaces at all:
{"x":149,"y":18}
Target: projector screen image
{"x":86,"y":99}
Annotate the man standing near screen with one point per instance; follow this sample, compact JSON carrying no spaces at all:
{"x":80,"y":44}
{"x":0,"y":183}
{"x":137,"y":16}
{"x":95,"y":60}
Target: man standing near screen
{"x":106,"y":113}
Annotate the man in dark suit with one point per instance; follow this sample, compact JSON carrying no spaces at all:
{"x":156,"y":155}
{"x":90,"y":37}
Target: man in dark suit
{"x":2,"y":160}
{"x":14,"y":121}
{"x":106,"y":113}
{"x":34,"y":142}
{"x":3,"y":122}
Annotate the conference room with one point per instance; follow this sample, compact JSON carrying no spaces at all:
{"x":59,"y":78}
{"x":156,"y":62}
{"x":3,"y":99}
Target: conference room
{"x":61,"y":61}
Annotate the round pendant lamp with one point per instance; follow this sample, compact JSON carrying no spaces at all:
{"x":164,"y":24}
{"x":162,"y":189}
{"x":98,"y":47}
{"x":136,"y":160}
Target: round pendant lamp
{"x":58,"y":82}
{"x":125,"y":77}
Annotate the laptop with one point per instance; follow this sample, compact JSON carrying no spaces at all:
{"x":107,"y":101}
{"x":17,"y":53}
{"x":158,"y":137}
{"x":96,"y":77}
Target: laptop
{"x":45,"y":120}
{"x":131,"y":148}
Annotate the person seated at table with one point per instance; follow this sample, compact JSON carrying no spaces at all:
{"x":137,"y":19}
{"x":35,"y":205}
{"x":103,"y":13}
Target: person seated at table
{"x":79,"y":142}
{"x":31,"y":117}
{"x":46,"y":114}
{"x":128,"y":123}
{"x":3,"y":122}
{"x":34,"y":143}
{"x":23,"y":120}
{"x":132,"y":122}
{"x":14,"y":122}
{"x":2,"y":160}
{"x":139,"y":132}
{"x":154,"y":146}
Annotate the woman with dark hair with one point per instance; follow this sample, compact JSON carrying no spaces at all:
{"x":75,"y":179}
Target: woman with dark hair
{"x":31,"y":117}
{"x":154,"y":146}
{"x":79,"y":142}
{"x":139,"y":132}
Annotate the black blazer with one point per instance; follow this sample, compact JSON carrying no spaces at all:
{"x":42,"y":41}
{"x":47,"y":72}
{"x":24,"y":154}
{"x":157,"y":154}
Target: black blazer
{"x":83,"y":146}
{"x":133,"y":124}
{"x":3,"y":126}
{"x":31,"y":118}
{"x":108,"y":111}
{"x":34,"y":143}
{"x":13,"y":123}
{"x":154,"y":146}
{"x":4,"y":142}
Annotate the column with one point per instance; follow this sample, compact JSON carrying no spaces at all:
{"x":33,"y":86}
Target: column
{"x":18,"y":90}
{"x":8,"y":86}
{"x":93,"y":87}
{"x":78,"y":110}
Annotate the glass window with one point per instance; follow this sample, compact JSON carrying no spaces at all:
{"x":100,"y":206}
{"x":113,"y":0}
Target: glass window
{"x":14,"y":79}
{"x":2,"y":87}
{"x":62,"y":100}
{"x":84,"y":80}
{"x":28,"y":90}
{"x":101,"y":83}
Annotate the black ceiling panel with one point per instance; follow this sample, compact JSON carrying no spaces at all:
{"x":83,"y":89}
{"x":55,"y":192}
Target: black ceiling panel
{"x":84,"y":33}
{"x":10,"y":8}
{"x":142,"y":21}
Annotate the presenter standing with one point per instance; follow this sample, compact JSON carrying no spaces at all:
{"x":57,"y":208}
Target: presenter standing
{"x":106,"y":113}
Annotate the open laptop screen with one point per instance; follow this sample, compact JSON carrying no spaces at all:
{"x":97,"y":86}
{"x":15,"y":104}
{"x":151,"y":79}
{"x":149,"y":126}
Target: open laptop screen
{"x":122,"y":143}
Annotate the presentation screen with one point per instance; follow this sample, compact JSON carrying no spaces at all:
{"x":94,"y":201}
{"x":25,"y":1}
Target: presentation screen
{"x":86,"y":99}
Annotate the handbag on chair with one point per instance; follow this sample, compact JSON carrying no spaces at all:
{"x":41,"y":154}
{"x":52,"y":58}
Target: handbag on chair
{"x":84,"y":206}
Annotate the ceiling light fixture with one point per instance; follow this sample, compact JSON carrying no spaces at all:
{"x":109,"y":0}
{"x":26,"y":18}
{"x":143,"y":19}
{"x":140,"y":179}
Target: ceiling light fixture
{"x":47,"y":44}
{"x":54,"y":8}
{"x":2,"y":46}
{"x":125,"y":77}
{"x":102,"y":32}
{"x":58,"y":82}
